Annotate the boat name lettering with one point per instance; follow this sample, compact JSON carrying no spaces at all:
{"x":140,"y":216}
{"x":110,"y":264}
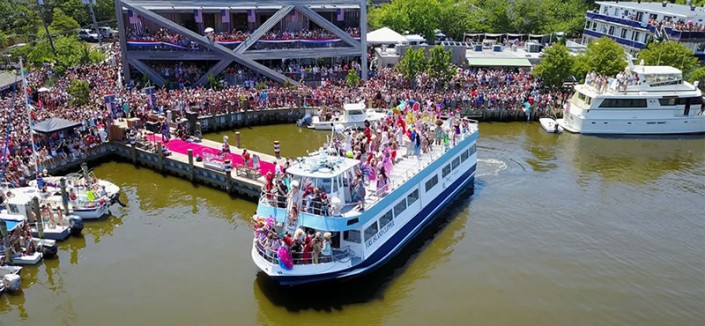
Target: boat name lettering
{"x":379,"y":234}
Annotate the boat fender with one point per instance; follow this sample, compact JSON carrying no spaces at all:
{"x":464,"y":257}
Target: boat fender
{"x":12,"y":282}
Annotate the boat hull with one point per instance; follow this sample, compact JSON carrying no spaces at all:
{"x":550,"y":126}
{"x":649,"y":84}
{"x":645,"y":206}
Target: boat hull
{"x":92,"y":213}
{"x":55,"y":233}
{"x":32,"y":259}
{"x":652,"y":126}
{"x":392,"y":246}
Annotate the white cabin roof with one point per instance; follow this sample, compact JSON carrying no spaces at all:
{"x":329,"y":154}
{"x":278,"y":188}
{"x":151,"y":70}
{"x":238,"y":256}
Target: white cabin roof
{"x":311,"y":167}
{"x":354,"y":106}
{"x":12,"y":217}
{"x":656,"y":70}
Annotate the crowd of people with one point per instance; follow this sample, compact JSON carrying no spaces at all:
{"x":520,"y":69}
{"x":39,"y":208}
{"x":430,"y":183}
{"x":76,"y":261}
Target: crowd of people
{"x":314,"y":38}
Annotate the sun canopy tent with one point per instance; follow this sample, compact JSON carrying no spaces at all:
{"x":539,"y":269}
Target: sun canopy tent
{"x":54,"y":125}
{"x":385,"y":35}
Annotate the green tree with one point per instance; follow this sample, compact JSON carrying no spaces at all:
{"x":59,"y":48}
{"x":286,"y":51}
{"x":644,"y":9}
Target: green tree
{"x":555,"y":67}
{"x":440,"y":65}
{"x":670,"y":54}
{"x":699,"y":76}
{"x":63,"y":23}
{"x":78,"y":92}
{"x":352,"y":79}
{"x":412,"y":63}
{"x":69,"y":52}
{"x":603,"y":56}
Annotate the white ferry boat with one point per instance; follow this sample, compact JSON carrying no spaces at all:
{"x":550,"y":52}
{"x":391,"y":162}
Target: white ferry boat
{"x":641,"y":100}
{"x":352,"y":116}
{"x":419,"y":188}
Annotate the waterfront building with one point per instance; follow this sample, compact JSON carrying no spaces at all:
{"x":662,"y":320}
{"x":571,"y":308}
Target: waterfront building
{"x":211,"y":36}
{"x":633,"y":24}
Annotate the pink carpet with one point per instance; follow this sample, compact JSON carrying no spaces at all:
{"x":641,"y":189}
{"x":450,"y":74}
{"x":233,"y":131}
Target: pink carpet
{"x":182,"y":147}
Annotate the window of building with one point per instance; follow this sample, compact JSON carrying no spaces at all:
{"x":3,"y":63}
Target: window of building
{"x":385,"y":219}
{"x":371,"y":230}
{"x":456,"y":162}
{"x":446,"y":170}
{"x":635,"y":36}
{"x":431,"y":182}
{"x":623,"y":34}
{"x":352,"y":236}
{"x":413,"y":197}
{"x":399,"y":208}
{"x":594,"y":26}
{"x":610,"y":31}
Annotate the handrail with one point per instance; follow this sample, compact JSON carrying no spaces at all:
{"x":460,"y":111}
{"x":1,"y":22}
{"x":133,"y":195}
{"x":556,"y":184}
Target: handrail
{"x":338,"y":256}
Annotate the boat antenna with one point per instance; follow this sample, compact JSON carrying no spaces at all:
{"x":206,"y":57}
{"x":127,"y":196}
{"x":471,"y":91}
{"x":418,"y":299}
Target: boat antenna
{"x":28,"y":108}
{"x":9,"y":128}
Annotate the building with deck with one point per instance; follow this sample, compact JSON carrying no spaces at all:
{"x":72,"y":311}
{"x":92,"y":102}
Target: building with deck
{"x":207,"y":37}
{"x":633,"y":24}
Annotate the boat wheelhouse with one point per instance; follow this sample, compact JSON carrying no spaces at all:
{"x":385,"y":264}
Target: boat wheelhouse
{"x":418,"y":188}
{"x":641,"y":100}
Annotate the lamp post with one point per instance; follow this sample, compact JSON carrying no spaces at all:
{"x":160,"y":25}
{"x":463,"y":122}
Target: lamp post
{"x":90,"y":4}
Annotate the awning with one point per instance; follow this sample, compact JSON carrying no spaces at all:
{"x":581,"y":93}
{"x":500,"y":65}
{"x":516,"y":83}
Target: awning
{"x":499,"y":62}
{"x":54,"y":125}
{"x":7,"y":80}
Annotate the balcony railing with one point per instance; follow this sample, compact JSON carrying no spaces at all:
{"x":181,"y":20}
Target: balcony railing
{"x":684,"y":35}
{"x":338,"y":256}
{"x":622,"y":21}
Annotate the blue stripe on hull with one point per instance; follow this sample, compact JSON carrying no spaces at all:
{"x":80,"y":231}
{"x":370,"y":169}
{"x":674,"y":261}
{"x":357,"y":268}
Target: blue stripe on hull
{"x":397,"y":242}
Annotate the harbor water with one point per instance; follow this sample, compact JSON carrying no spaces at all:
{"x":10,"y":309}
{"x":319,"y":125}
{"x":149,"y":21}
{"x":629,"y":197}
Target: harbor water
{"x":561,"y":230}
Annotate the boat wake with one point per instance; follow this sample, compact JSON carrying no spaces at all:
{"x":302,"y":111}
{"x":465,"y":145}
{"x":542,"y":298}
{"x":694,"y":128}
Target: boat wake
{"x":490,"y":167}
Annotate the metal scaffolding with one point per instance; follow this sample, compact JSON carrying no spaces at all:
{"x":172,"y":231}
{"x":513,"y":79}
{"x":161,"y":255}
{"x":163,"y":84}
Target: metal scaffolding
{"x":154,"y":10}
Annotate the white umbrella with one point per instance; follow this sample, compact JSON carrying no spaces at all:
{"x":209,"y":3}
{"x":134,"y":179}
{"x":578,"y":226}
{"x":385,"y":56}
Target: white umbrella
{"x":43,"y":89}
{"x":209,"y":30}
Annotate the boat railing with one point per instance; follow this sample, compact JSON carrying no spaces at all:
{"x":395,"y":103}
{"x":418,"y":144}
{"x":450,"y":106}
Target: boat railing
{"x":338,"y":255}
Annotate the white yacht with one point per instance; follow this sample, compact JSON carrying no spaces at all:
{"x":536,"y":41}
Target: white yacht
{"x":641,"y":100}
{"x":353,"y":116}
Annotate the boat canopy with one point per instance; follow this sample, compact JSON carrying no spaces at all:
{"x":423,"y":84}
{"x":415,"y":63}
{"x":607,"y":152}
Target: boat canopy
{"x":12,"y":221}
{"x":324,"y":171}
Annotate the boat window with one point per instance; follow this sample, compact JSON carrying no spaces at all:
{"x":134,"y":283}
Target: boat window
{"x":324,"y":185}
{"x":399,"y":208}
{"x":431,"y":182}
{"x":371,"y":230}
{"x":352,"y":236}
{"x":456,"y":162}
{"x":386,"y":218}
{"x":473,"y":149}
{"x":13,"y":209}
{"x":446,"y":170}
{"x":667,"y":101}
{"x":693,"y":101}
{"x":413,"y":197}
{"x":623,"y":103}
{"x":580,"y":97}
{"x":464,"y":155}
{"x":355,"y":112}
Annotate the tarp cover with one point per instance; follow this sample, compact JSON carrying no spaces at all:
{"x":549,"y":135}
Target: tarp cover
{"x":385,"y":35}
{"x":54,"y":125}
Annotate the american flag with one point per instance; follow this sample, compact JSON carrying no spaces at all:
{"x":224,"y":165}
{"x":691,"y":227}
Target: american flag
{"x":341,"y":15}
{"x":225,"y":16}
{"x":294,"y":16}
{"x":136,"y":22}
{"x":198,"y":15}
{"x":251,"y":18}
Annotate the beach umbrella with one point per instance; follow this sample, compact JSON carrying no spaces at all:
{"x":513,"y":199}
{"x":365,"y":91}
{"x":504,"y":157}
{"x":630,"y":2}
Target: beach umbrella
{"x":209,"y":30}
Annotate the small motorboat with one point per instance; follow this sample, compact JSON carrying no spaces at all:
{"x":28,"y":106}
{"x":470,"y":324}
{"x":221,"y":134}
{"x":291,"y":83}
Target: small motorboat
{"x":353,"y":116}
{"x":550,"y":126}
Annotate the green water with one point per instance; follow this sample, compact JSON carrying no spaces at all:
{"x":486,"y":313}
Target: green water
{"x":561,"y":230}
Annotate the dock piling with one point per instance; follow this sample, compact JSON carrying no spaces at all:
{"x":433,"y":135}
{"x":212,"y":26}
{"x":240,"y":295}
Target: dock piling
{"x":38,"y":216}
{"x":237,"y":139}
{"x":277,"y":149}
{"x":6,"y":241}
{"x":64,"y":195}
{"x":192,"y":171}
{"x":160,"y":157}
{"x":228,"y":181}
